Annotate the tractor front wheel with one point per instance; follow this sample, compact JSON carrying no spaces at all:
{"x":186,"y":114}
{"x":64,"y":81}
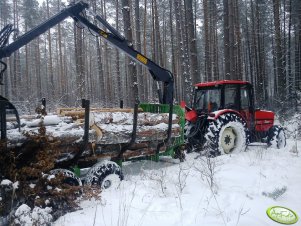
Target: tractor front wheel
{"x":276,"y":137}
{"x":225,"y":135}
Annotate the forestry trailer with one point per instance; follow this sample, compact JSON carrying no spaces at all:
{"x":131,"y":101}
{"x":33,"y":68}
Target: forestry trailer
{"x":223,"y":119}
{"x":87,"y":150}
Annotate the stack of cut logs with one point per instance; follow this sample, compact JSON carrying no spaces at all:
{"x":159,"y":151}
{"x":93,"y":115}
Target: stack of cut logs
{"x":110,"y":131}
{"x":113,"y":126}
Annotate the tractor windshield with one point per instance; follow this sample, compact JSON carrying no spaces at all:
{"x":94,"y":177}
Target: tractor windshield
{"x":207,"y":100}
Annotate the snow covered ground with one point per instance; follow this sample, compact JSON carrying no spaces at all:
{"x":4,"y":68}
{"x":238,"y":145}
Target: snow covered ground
{"x":237,"y":190}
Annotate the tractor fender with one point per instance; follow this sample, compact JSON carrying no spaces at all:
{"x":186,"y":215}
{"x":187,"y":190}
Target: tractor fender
{"x":191,"y":116}
{"x":216,"y":114}
{"x":264,"y":120}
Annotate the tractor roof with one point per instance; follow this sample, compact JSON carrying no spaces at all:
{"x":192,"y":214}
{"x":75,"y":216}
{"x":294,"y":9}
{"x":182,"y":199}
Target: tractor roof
{"x":221,"y":82}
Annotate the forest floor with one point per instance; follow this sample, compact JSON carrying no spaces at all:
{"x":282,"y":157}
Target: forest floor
{"x":230,"y":190}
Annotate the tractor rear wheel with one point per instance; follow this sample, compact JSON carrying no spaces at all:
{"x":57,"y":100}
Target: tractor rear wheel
{"x":276,"y":137}
{"x":227,"y":134}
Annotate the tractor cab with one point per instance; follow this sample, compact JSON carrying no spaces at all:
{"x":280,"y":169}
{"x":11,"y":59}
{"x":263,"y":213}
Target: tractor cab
{"x":226,"y":94}
{"x":214,"y":97}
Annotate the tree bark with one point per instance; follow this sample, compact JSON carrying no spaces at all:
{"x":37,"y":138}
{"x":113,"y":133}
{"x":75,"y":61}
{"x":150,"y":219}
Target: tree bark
{"x":192,"y":45}
{"x":227,"y":56}
{"x":279,"y":54}
{"x":132,"y":72}
{"x":50,"y":66}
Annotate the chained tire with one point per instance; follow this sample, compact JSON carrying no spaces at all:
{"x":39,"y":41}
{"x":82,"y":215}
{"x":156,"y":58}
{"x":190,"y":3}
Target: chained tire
{"x":188,"y":136}
{"x":69,"y":177}
{"x":194,"y":136}
{"x":225,"y":135}
{"x":190,"y":129}
{"x":276,"y":137}
{"x":105,"y":174}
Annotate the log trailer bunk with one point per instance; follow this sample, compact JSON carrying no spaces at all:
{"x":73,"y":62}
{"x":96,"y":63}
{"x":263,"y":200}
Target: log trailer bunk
{"x":100,"y":173}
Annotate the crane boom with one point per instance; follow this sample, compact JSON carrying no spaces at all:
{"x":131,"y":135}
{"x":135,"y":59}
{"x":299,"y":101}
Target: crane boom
{"x":113,"y":37}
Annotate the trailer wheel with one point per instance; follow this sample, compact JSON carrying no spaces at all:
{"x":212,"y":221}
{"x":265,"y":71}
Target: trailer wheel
{"x":69,"y":177}
{"x":227,"y":134}
{"x":276,"y":137}
{"x":106,"y":174}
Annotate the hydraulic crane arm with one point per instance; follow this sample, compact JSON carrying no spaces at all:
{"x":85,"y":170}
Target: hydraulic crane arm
{"x":113,"y":37}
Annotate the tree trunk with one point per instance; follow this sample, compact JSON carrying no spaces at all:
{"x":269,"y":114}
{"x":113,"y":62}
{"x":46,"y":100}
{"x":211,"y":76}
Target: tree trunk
{"x":132,"y":72}
{"x":192,"y":45}
{"x":279,"y":55}
{"x":173,"y":57}
{"x":79,"y":61}
{"x":298,"y":52}
{"x":138,"y":48}
{"x":119,"y":78}
{"x":227,"y":56}
{"x":208,"y":75}
{"x":50,"y":66}
{"x":62,"y":80}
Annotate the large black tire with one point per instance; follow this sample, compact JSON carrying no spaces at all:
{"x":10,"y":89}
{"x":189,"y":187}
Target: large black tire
{"x":189,"y":132}
{"x":194,"y":135}
{"x":225,"y":135}
{"x":106,"y":174}
{"x":69,"y":177}
{"x":190,"y":129}
{"x":276,"y":137}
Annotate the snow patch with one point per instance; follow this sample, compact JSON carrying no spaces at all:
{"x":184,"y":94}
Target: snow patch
{"x":50,"y":177}
{"x":6,"y":182}
{"x":49,"y":187}
{"x":47,"y":121}
{"x":16,"y":185}
{"x":38,"y":216}
{"x":58,"y":189}
{"x":150,"y":193}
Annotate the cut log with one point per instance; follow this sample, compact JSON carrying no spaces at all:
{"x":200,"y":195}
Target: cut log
{"x":106,"y":128}
{"x":114,"y":134}
{"x":79,"y":112}
{"x":46,"y":121}
{"x":25,"y":117}
{"x":123,"y":118}
{"x":67,"y":133}
{"x":128,"y":154}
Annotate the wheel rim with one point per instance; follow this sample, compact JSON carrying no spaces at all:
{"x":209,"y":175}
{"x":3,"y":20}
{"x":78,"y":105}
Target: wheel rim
{"x":110,"y":182}
{"x":106,"y":184}
{"x":228,"y":140}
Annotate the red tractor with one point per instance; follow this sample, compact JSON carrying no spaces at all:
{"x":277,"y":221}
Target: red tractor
{"x":223,"y":119}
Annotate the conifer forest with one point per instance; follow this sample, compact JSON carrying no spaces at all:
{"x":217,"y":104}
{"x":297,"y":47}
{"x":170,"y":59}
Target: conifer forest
{"x":197,"y":40}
